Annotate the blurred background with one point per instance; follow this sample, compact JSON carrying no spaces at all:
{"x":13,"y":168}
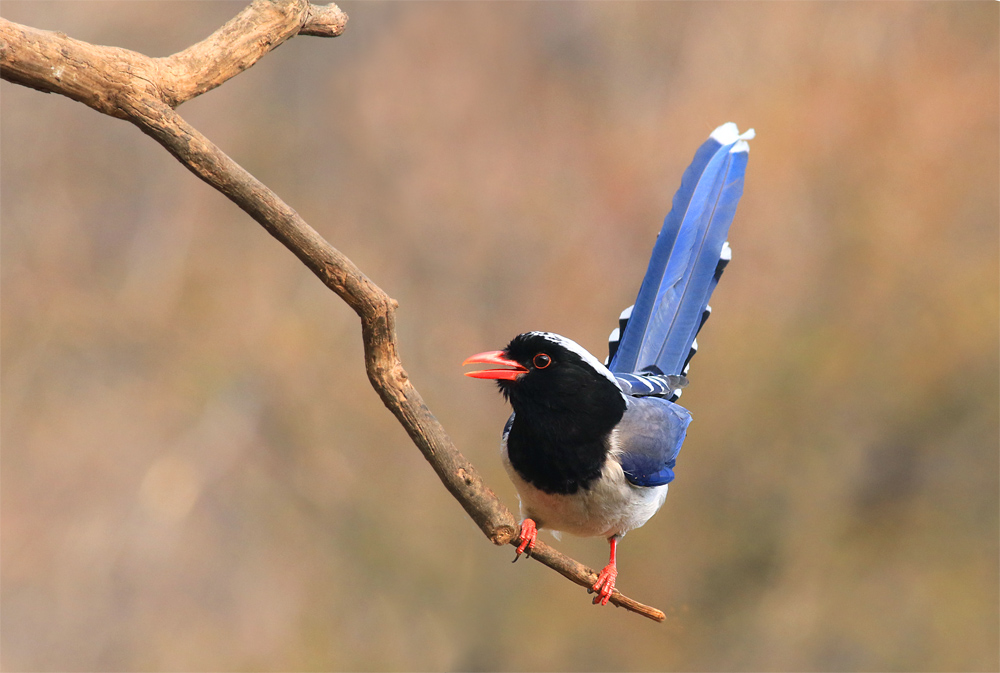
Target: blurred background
{"x":196,"y":474}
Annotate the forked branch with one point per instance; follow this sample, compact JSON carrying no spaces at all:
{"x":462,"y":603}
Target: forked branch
{"x":145,"y":91}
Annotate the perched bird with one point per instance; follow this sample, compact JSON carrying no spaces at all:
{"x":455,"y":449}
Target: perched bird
{"x":589,"y":447}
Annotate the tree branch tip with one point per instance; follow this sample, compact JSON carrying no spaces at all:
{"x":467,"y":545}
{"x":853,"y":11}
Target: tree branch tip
{"x":651,"y":613}
{"x":503,"y":535}
{"x":324,"y":21}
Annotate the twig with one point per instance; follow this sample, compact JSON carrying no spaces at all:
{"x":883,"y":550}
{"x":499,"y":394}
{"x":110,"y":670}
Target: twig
{"x":144,"y":91}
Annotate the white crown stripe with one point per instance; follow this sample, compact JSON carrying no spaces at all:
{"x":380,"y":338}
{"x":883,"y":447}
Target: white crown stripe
{"x":584,"y":354}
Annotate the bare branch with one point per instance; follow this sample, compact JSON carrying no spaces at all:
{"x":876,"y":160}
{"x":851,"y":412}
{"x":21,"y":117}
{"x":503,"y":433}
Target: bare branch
{"x":324,"y":21}
{"x":240,"y":43}
{"x":144,"y":91}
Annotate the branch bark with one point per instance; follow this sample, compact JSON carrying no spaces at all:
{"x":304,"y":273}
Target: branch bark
{"x":145,"y":91}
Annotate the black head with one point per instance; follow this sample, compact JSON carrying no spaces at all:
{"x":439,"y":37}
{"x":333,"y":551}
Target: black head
{"x":549,"y":374}
{"x":566,"y":404}
{"x":559,"y":375}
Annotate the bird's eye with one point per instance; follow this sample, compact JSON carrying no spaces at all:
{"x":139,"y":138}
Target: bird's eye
{"x":541,"y":361}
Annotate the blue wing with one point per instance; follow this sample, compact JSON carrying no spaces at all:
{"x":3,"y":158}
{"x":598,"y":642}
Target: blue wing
{"x":649,"y":437}
{"x":687,"y":260}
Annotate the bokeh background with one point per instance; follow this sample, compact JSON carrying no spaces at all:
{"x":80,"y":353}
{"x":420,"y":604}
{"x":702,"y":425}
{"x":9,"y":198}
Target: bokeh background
{"x":196,"y":474}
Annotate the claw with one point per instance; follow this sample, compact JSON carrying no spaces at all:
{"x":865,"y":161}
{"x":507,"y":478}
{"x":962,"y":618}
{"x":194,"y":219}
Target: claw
{"x":529,"y":533}
{"x":605,"y":584}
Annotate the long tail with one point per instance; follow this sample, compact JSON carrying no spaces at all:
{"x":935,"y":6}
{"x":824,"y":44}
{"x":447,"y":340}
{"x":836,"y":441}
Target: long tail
{"x":658,"y":332}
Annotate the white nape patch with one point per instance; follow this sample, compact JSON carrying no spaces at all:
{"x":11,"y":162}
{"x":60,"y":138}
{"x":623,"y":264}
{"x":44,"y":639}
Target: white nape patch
{"x":727,"y":252}
{"x":627,"y":313}
{"x":729,"y":133}
{"x":584,"y":354}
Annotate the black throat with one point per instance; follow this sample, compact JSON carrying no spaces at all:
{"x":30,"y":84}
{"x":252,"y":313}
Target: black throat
{"x":559,"y":444}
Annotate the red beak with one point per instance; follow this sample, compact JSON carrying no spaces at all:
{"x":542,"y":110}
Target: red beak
{"x":495,"y":358}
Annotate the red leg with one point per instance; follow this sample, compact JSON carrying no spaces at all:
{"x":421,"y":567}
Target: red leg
{"x":605,"y":584}
{"x":529,"y":533}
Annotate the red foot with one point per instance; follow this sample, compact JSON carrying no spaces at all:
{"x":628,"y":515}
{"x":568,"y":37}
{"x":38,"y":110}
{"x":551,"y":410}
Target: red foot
{"x":529,"y":533}
{"x":605,"y":584}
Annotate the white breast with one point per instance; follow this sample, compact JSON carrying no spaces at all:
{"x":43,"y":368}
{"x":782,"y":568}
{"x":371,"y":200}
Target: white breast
{"x":611,"y":506}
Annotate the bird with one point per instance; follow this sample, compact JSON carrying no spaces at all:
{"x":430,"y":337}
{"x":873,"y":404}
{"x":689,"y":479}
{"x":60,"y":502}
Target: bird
{"x":591,"y":447}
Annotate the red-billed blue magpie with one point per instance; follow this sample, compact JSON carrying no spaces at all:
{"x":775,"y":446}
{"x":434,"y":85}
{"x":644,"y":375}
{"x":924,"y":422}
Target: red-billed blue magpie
{"x":589,"y":447}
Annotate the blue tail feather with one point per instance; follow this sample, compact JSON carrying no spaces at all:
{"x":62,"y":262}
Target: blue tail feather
{"x":687,"y":260}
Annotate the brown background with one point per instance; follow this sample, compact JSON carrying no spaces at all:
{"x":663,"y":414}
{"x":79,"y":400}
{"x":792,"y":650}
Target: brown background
{"x":196,"y":474}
